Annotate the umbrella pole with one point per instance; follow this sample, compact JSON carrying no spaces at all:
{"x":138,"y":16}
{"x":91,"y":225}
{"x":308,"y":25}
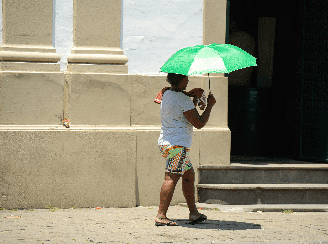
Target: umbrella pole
{"x":209,"y":82}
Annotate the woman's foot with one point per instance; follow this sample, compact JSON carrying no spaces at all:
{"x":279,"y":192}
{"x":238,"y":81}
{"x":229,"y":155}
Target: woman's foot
{"x":197,"y":217}
{"x":194,"y":215}
{"x":161,"y":221}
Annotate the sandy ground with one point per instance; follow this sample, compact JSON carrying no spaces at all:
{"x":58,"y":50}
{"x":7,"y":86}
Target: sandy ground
{"x":136,"y":225}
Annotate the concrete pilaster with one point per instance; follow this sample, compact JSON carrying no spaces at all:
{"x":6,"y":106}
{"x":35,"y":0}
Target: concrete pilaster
{"x":214,"y":24}
{"x":96,"y":93}
{"x":27,"y":31}
{"x":97,"y":32}
{"x":215,"y":137}
{"x":31,"y":83}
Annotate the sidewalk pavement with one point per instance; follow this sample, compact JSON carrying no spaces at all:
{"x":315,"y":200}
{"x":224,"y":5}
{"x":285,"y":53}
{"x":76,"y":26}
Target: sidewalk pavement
{"x":224,"y":224}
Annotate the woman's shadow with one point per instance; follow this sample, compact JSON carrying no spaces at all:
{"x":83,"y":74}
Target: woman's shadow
{"x":217,"y":224}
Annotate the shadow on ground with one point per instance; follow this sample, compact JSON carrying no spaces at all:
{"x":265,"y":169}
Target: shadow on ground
{"x":219,"y":225}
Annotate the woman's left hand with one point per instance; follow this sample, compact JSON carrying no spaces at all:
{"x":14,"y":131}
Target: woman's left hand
{"x":197,"y":93}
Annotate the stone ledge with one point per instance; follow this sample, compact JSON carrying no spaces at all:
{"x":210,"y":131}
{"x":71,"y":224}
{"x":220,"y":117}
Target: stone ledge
{"x":73,"y":128}
{"x":90,"y":128}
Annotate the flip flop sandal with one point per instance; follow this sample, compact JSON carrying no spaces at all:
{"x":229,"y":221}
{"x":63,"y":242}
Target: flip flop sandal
{"x":170,"y":223}
{"x":201,"y":218}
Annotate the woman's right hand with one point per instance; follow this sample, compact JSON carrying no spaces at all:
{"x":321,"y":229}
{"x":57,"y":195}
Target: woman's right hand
{"x":210,"y":99}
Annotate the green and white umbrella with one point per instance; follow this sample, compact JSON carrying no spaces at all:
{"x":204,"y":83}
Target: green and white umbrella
{"x":213,"y":58}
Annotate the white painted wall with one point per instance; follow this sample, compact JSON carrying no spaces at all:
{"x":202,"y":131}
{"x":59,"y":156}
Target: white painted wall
{"x":154,"y":30}
{"x":62,"y":38}
{"x":151,"y":32}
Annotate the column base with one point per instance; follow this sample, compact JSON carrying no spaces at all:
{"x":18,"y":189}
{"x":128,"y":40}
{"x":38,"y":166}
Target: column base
{"x":97,"y":56}
{"x":84,"y":68}
{"x":26,"y":53}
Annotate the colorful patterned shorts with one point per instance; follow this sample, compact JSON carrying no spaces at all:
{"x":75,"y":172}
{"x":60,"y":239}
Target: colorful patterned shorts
{"x":178,"y":161}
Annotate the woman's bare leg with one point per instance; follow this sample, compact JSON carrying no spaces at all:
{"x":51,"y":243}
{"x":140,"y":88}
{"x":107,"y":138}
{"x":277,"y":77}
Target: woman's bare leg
{"x":166,"y":194}
{"x":188,"y":189}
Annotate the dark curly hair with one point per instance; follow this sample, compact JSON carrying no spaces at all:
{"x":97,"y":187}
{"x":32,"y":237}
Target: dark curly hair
{"x":174,"y":79}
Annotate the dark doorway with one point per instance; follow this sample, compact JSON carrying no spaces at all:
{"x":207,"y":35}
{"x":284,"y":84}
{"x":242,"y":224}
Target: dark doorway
{"x":266,"y":122}
{"x":314,"y":90}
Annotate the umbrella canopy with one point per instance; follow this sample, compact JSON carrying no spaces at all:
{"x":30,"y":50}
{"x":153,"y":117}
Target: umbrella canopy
{"x":213,"y":58}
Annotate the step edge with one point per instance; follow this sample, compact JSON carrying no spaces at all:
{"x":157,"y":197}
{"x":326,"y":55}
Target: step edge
{"x":262,"y":207}
{"x":264,"y":186}
{"x":264,"y":167}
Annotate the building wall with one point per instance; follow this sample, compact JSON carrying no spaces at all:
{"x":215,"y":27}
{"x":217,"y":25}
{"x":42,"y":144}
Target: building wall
{"x":109,"y":155}
{"x":150,"y":32}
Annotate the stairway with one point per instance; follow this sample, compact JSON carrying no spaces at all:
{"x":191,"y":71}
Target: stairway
{"x":249,"y":180}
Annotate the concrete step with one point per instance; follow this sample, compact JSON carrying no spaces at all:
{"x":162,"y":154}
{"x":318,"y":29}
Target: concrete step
{"x":245,"y":194}
{"x":262,"y":207}
{"x":266,"y":159}
{"x":270,"y":173}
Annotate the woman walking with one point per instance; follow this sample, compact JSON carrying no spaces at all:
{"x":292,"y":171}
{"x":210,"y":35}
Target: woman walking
{"x":178,"y":116}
